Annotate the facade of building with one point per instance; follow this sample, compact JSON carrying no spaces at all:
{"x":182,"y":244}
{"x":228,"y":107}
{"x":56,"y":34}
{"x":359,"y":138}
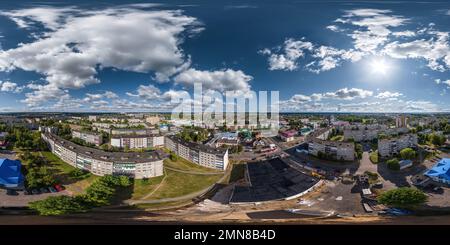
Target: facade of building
{"x":361,"y":132}
{"x":88,"y":137}
{"x":152,"y":120}
{"x":136,"y":165}
{"x":287,"y":135}
{"x":319,"y":145}
{"x":401,"y":121}
{"x":137,"y":141}
{"x":391,"y":146}
{"x":198,"y":153}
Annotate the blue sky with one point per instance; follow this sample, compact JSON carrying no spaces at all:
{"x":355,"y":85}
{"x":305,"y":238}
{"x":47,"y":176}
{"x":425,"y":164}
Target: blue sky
{"x":328,"y":56}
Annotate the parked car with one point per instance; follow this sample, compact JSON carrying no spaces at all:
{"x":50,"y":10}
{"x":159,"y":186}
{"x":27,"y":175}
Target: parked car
{"x":52,"y":190}
{"x":10,"y":192}
{"x":58,"y":187}
{"x":35,"y":191}
{"x":44,"y":190}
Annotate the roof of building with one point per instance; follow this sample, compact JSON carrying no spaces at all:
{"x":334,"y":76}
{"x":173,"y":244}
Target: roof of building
{"x":197,"y":146}
{"x":441,"y":170}
{"x":10,"y":175}
{"x":119,"y":157}
{"x":288,"y":133}
{"x":313,"y":137}
{"x":134,"y":136}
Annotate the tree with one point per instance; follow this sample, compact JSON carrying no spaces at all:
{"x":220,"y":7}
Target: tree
{"x":436,"y":139}
{"x":404,"y":197}
{"x":57,"y":205}
{"x":173,"y":157}
{"x":393,"y":164}
{"x":408,"y":153}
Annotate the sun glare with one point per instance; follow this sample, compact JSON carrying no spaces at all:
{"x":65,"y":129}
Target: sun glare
{"x":379,"y":66}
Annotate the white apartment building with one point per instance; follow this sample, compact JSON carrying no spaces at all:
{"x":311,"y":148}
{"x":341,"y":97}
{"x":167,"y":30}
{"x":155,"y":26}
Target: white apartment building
{"x":337,"y":150}
{"x":89,"y":137}
{"x":137,"y":141}
{"x":198,"y":153}
{"x":135,"y":165}
{"x":391,"y":146}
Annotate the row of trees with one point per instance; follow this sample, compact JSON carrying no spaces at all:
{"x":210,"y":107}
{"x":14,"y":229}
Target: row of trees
{"x":23,"y":138}
{"x":98,"y":194}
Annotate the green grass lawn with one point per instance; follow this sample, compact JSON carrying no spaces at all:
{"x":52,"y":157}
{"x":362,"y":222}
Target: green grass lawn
{"x":374,"y":157}
{"x":337,"y":138}
{"x":185,"y":165}
{"x":143,"y":187}
{"x":179,"y":184}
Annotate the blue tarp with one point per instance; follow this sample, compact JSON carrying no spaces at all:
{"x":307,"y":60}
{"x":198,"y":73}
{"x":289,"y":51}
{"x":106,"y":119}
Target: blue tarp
{"x":10,"y":175}
{"x":440,"y":171}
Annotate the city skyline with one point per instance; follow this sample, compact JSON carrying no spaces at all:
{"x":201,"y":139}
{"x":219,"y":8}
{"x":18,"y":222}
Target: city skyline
{"x":321,"y":56}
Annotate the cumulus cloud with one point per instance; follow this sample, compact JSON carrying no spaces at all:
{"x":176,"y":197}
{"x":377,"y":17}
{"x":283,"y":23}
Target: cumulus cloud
{"x":436,"y":50}
{"x":285,"y":57}
{"x":348,"y":94}
{"x":8,"y":86}
{"x":387,"y":95}
{"x":79,"y":44}
{"x":382,"y":102}
{"x":221,"y":80}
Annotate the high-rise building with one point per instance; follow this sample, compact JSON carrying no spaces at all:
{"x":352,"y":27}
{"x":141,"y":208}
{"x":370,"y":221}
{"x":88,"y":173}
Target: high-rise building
{"x":401,"y":121}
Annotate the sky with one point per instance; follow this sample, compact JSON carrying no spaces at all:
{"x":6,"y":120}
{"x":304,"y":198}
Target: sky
{"x":322,"y":56}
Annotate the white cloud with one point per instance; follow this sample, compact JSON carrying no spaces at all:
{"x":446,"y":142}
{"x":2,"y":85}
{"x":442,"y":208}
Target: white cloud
{"x":49,"y":17}
{"x":436,"y":50}
{"x":10,"y":87}
{"x":404,"y":34}
{"x":79,"y":44}
{"x":387,"y":95}
{"x":222,"y":80}
{"x":286,"y":56}
{"x":333,"y":28}
{"x":348,"y":94}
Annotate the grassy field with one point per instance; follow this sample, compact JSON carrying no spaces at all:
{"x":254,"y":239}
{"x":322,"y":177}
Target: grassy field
{"x":374,"y":157}
{"x":143,"y":187}
{"x":62,"y":172}
{"x":179,"y":184}
{"x":185,"y":165}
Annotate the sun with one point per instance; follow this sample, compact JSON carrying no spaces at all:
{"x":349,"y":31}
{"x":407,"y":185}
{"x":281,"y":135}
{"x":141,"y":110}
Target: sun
{"x":379,"y":67}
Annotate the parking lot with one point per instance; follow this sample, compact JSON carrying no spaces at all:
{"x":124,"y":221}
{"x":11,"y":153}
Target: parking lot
{"x":22,"y":200}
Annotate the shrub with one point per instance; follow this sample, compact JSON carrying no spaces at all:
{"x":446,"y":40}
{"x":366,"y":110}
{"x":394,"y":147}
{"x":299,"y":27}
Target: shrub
{"x":57,"y":205}
{"x":393,"y":164}
{"x":408,"y":153}
{"x":404,"y":197}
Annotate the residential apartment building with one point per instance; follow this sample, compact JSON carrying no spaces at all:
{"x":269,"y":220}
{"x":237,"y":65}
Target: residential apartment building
{"x":198,"y":153}
{"x":336,"y":150}
{"x":401,"y":121}
{"x":390,"y":146}
{"x":152,"y":120}
{"x":89,"y":137}
{"x":362,"y":132}
{"x":135,"y":165}
{"x":137,"y":141}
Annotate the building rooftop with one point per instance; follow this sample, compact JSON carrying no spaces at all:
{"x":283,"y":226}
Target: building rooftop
{"x":119,"y":157}
{"x":441,"y":170}
{"x":197,"y":146}
{"x":10,"y":174}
